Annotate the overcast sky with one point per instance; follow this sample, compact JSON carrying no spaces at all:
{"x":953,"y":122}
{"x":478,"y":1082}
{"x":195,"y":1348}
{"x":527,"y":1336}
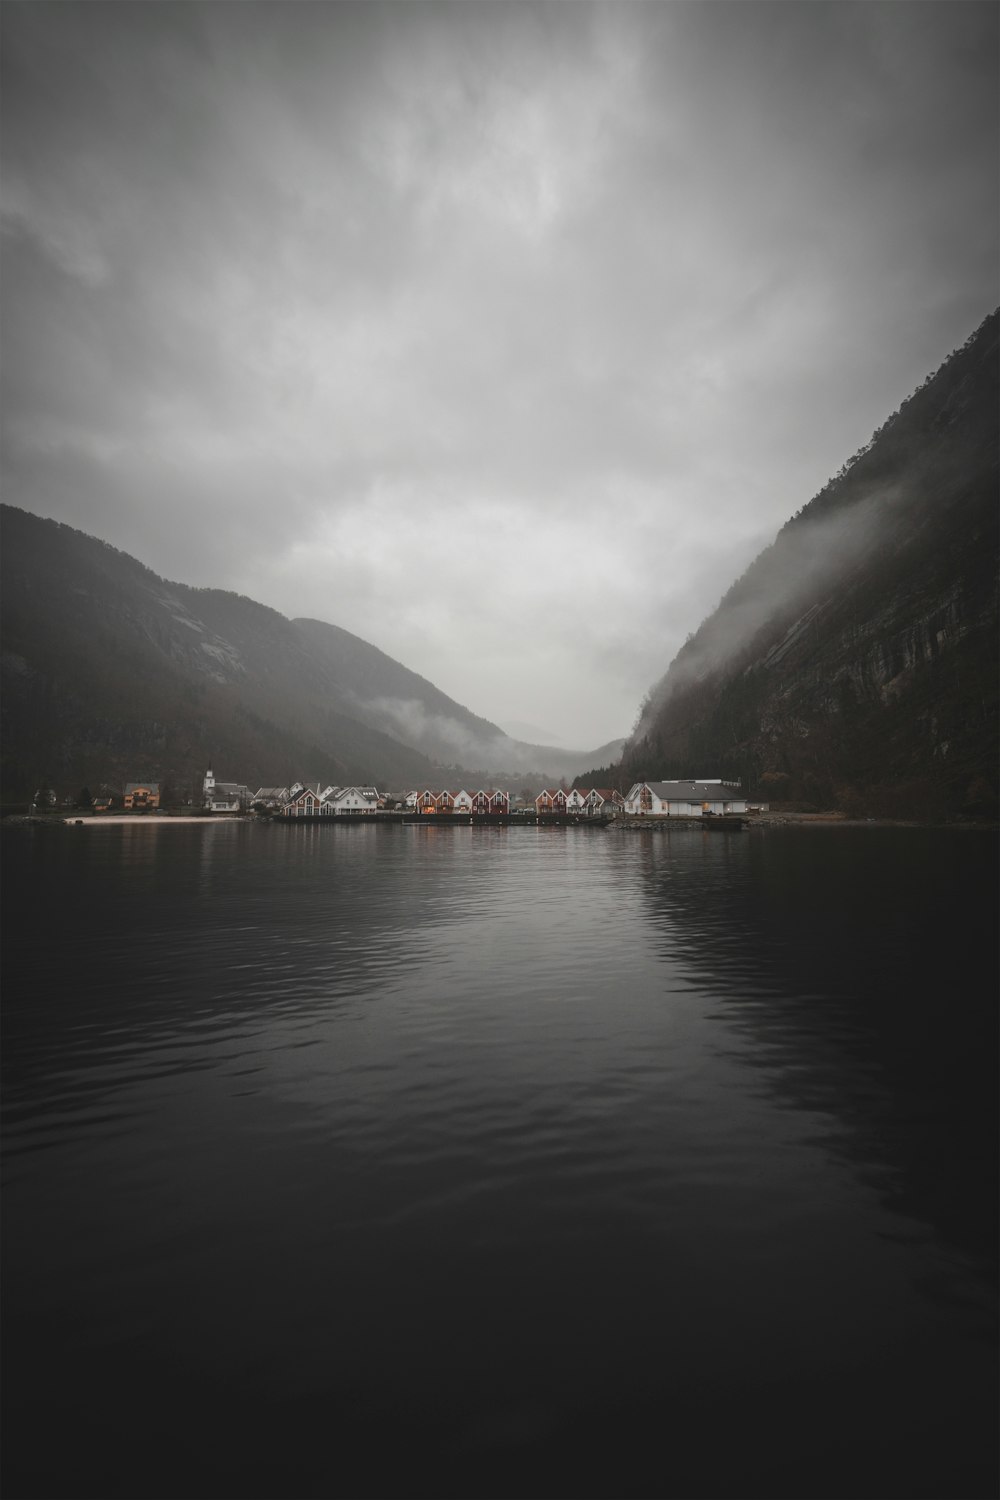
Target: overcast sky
{"x":502,"y":335}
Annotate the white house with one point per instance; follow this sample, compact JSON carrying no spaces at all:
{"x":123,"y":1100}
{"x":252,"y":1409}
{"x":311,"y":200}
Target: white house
{"x":270,"y":796}
{"x":576,"y":801}
{"x":687,"y":799}
{"x":604,"y":800}
{"x":353,"y":799}
{"x":462,"y":802}
{"x":224,"y":796}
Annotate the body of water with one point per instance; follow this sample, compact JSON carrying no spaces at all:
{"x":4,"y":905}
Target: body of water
{"x":499,"y":1162}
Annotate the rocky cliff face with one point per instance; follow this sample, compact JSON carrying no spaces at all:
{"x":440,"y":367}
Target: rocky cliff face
{"x":855,"y":663}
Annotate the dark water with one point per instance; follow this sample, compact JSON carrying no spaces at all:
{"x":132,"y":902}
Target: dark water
{"x":486,"y":1162}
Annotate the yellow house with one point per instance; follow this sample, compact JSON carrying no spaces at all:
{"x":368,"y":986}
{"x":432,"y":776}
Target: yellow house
{"x":140,"y":794}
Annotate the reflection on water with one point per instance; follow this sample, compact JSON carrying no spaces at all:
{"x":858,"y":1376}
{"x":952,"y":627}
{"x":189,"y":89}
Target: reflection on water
{"x":863,"y":992}
{"x":499,"y":1161}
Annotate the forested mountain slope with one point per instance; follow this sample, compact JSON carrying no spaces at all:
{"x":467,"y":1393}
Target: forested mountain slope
{"x":112,"y":673}
{"x":855,"y":662}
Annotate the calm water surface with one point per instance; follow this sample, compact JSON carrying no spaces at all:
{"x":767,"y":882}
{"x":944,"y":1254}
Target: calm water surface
{"x":424,"y":1161}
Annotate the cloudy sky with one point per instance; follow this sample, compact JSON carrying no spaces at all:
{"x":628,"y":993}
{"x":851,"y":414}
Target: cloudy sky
{"x":503,"y":335}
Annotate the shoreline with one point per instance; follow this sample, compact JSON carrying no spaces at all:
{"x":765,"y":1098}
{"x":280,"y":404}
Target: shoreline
{"x":748,"y":821}
{"x":841,"y":820}
{"x":755,"y":820}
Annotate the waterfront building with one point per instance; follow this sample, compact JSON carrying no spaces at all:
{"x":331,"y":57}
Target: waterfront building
{"x":687,"y":799}
{"x":141,"y":794}
{"x":224,"y":796}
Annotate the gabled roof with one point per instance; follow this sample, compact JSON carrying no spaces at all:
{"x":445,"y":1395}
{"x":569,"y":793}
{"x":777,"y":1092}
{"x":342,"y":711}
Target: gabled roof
{"x":313,"y":790}
{"x":692,"y":791}
{"x":141,"y":786}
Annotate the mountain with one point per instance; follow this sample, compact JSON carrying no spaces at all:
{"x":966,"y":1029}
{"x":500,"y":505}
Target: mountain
{"x":112,"y":673}
{"x":387,"y":696}
{"x":854,"y":664}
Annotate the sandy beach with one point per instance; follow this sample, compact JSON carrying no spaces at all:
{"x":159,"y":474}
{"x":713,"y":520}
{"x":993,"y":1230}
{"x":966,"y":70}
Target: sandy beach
{"x":125,"y":818}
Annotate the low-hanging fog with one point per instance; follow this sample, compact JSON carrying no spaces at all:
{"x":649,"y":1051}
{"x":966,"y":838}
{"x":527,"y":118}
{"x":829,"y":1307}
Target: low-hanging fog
{"x":793,"y":573}
{"x":447,"y":739}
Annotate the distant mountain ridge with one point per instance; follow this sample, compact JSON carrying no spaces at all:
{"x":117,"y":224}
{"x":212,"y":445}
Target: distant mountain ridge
{"x":111,"y":672}
{"x":854,"y":664}
{"x":387,"y":696}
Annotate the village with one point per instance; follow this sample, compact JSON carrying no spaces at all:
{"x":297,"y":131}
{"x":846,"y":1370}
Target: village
{"x":698,"y":797}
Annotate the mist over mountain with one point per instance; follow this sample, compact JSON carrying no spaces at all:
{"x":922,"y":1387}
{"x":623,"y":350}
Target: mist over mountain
{"x":519,"y":729}
{"x":389,"y":697}
{"x":111,"y":673}
{"x":854,"y":664}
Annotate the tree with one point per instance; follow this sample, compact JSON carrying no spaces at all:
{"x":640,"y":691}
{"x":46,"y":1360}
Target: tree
{"x":84,"y":798}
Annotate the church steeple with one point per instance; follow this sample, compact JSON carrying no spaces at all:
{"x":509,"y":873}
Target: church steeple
{"x":208,"y":786}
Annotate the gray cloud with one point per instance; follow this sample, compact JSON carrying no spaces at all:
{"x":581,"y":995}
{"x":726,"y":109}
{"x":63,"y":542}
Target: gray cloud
{"x":502,"y":335}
